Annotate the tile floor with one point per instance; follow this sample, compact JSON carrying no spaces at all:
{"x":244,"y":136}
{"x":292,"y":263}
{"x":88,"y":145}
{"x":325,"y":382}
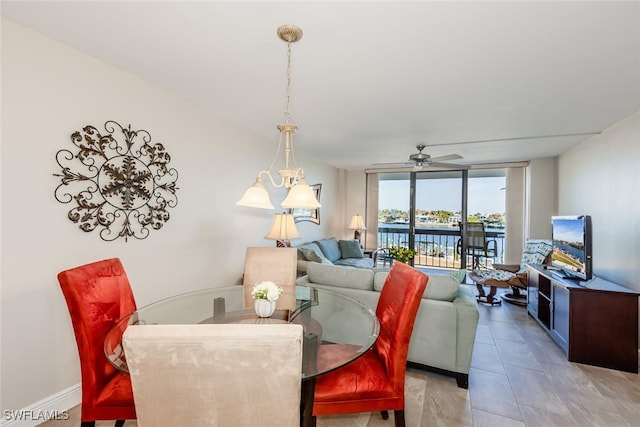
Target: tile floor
{"x":519,"y":377}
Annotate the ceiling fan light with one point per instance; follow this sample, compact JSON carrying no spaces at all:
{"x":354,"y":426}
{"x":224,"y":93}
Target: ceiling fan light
{"x":256,"y":196}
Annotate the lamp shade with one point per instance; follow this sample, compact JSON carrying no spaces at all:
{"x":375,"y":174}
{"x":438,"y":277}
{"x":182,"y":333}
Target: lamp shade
{"x":256,"y":196}
{"x":301,"y":195}
{"x":357,"y":223}
{"x":283,"y":228}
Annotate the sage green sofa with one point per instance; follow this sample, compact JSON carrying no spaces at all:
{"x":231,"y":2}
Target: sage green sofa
{"x":445,"y":327}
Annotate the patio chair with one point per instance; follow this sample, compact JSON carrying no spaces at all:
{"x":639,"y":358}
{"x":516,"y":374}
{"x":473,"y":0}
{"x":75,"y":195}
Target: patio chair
{"x":511,"y":275}
{"x":478,"y":246}
{"x":382,"y":255}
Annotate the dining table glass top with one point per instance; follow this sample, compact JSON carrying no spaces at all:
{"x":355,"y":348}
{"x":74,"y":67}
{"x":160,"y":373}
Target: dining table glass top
{"x":337,"y":329}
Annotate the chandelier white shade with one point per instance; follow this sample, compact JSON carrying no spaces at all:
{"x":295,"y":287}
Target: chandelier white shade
{"x":256,"y":196}
{"x":291,"y":177}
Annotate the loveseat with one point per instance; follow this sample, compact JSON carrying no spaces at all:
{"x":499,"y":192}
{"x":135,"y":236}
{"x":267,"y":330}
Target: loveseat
{"x":332,"y":251}
{"x":445,"y":327}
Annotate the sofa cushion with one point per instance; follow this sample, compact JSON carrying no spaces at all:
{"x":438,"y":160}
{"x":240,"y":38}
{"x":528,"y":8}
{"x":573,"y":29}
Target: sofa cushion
{"x":330,"y":248}
{"x":344,"y":277}
{"x":350,"y":249}
{"x":355,"y":262}
{"x":439,"y":287}
{"x":459,"y":275}
{"x":379,"y":276}
{"x":443,"y":288}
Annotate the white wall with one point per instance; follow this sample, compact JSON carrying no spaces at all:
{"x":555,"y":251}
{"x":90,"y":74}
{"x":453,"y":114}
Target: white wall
{"x":49,"y":91}
{"x":541,"y":197}
{"x":601,"y":177}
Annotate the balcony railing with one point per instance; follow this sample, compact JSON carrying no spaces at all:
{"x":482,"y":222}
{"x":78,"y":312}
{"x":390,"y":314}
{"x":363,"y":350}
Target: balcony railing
{"x":437,"y":247}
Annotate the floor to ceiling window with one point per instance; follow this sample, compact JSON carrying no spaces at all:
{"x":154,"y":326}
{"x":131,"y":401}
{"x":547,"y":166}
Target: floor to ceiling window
{"x":426,"y":211}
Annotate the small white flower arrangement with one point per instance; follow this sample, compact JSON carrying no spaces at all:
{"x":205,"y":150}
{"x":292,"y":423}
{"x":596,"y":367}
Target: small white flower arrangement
{"x":266,"y":290}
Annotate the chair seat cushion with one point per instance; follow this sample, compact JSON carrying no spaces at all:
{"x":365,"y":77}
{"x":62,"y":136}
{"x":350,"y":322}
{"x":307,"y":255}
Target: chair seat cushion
{"x":489,"y":280}
{"x":500,"y":275}
{"x":365,"y":378}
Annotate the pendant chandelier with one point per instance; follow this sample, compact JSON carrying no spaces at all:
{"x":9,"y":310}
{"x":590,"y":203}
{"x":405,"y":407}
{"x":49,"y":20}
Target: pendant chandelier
{"x":300,"y":194}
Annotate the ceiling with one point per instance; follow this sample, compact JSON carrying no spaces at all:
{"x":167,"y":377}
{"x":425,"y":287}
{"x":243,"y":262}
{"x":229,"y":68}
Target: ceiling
{"x":491,"y":81}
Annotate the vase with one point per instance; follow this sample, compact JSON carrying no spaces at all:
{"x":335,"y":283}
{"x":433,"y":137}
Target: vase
{"x":263,"y":307}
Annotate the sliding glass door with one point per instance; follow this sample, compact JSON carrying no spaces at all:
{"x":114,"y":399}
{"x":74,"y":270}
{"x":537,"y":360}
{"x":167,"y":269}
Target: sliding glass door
{"x":427,"y":211}
{"x":439,"y":207}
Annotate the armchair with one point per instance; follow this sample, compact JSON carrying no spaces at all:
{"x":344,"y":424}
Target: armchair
{"x":511,"y":275}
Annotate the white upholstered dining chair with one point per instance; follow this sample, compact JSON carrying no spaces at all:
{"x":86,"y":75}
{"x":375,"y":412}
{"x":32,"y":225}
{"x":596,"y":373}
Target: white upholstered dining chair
{"x":276,"y":265}
{"x":215,"y":374}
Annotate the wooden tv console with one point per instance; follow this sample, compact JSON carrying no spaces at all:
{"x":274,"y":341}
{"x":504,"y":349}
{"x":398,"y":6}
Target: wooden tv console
{"x":594,"y":322}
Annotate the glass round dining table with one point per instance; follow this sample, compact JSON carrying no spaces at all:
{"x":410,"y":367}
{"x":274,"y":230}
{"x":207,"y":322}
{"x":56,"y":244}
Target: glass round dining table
{"x":337,"y":329}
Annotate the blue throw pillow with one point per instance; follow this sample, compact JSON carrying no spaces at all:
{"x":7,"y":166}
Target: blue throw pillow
{"x":330,"y":248}
{"x":351,"y":249}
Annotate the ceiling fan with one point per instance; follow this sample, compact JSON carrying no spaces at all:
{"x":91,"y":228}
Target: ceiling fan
{"x":420,"y":160}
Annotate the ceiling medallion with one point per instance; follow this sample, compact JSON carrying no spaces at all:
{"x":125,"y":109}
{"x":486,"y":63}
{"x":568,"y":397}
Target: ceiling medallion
{"x":120,"y":182}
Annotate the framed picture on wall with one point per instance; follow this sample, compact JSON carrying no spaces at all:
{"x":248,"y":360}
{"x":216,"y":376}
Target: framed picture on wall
{"x":304,"y":214}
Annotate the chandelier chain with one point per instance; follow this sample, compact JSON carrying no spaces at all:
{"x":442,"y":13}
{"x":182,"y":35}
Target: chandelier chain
{"x":287,"y":113}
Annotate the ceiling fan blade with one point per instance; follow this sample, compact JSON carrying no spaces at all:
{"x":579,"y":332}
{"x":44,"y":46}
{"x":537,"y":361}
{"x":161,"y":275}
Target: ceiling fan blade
{"x":393,"y":165}
{"x":445,"y":158}
{"x":447,"y":165}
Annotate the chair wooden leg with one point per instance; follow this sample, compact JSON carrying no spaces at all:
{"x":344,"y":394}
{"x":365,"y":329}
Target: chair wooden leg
{"x":398,"y":415}
{"x":119,"y":423}
{"x":87,"y":424}
{"x":384,"y":415}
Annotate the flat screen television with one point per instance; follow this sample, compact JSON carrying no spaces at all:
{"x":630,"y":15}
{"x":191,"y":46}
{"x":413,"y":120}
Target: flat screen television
{"x":571,"y":237}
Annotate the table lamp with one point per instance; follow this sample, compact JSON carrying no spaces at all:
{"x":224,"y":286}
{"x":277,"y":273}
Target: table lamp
{"x":282,"y":230}
{"x":357,"y":224}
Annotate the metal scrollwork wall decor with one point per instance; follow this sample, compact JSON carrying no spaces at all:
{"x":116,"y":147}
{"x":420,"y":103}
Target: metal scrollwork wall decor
{"x":121,"y":183}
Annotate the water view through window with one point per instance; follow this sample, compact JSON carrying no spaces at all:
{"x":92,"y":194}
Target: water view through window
{"x":439,"y":206}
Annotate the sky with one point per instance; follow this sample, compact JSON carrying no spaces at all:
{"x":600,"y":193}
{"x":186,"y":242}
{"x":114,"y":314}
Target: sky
{"x":486,"y":195}
{"x":568,"y":230}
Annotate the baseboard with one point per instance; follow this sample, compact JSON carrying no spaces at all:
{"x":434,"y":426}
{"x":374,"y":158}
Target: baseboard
{"x":48,"y":408}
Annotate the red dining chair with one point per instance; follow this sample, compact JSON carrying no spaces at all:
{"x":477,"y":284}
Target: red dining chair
{"x":375,"y":381}
{"x":98,"y":295}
